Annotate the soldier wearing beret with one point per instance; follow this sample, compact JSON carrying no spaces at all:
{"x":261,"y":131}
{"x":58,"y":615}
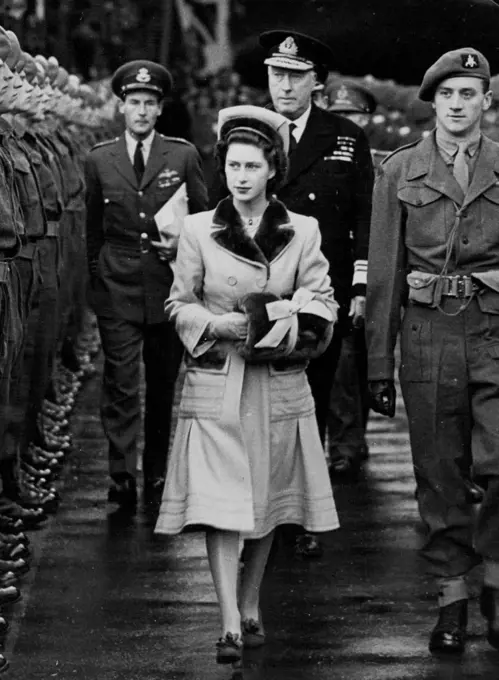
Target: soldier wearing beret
{"x":330,"y":178}
{"x":128,"y":180}
{"x":434,"y":274}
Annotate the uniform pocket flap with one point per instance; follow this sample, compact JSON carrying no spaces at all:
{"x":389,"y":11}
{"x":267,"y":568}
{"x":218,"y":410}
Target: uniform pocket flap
{"x":420,"y":280}
{"x":490,"y":279}
{"x":492,"y":194}
{"x":418,"y":196}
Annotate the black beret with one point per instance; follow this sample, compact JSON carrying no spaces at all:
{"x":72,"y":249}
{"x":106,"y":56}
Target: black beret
{"x":463,"y":62}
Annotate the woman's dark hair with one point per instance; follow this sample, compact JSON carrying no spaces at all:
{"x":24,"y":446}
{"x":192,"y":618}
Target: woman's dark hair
{"x":273,"y":152}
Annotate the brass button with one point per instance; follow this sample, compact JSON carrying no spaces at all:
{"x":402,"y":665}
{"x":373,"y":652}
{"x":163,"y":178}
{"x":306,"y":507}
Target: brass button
{"x":311,"y":197}
{"x":142,"y":215}
{"x":141,"y":193}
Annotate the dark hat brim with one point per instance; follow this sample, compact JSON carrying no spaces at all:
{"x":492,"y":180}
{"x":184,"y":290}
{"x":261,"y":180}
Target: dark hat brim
{"x":318,"y":52}
{"x":161,"y":82}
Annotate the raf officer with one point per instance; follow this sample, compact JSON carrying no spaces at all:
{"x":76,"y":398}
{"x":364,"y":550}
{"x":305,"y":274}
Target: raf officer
{"x":128,"y":180}
{"x":434,"y":260}
{"x":330,"y":178}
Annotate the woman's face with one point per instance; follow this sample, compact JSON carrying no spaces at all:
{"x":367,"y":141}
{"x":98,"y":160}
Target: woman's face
{"x":247,"y":172}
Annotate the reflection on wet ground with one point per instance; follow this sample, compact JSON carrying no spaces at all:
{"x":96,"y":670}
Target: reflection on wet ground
{"x":108,"y":600}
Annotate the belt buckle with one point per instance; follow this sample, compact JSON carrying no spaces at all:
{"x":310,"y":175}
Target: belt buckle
{"x":460,"y":287}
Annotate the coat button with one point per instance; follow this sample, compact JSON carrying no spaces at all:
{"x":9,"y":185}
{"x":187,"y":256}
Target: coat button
{"x":311,"y":197}
{"x":465,"y":240}
{"x":142,"y":215}
{"x":141,"y":193}
{"x":106,"y":200}
{"x":232,"y":280}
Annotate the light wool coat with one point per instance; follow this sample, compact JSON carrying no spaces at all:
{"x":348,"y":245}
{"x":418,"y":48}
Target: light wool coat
{"x":247,"y":454}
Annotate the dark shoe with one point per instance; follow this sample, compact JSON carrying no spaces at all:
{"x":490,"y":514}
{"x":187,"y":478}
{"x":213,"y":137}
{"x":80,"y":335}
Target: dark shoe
{"x":474,"y":493}
{"x":124,"y":493}
{"x":4,"y":664}
{"x":489,"y":606}
{"x":9,"y":595}
{"x":253,"y":634}
{"x":449,"y":634}
{"x":4,"y":626}
{"x":229,"y":648}
{"x":308,"y":547}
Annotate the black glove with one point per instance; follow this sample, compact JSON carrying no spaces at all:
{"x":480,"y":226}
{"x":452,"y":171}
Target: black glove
{"x":382,"y":394}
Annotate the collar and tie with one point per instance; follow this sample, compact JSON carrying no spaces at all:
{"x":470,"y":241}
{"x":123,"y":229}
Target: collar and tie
{"x":461,"y":169}
{"x":138,"y":161}
{"x":292,"y":140}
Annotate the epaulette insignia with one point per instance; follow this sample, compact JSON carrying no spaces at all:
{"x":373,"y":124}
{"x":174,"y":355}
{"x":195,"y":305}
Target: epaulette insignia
{"x":400,"y":148}
{"x":105,"y":143}
{"x":176,"y":139}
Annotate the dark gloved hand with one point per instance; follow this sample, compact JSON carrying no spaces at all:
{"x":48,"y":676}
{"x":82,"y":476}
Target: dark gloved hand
{"x":382,"y":394}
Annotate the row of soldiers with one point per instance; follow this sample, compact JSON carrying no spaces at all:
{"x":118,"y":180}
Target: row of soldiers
{"x":48,"y":121}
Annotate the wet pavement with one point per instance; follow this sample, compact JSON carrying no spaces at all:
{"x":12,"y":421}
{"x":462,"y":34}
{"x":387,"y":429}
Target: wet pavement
{"x":108,"y":600}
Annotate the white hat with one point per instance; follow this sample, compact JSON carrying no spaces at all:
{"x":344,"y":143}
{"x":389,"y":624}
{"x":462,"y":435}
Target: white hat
{"x":255,"y":119}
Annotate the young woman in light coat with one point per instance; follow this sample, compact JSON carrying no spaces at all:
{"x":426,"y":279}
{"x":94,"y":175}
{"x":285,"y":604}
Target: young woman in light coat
{"x":247,"y":455}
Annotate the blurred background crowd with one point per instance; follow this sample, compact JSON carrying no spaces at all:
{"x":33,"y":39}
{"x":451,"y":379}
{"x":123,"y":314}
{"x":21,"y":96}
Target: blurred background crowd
{"x":210,"y":46}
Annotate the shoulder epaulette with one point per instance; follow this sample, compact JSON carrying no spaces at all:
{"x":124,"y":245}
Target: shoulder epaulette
{"x":400,"y":148}
{"x":181,"y":140}
{"x":105,"y":143}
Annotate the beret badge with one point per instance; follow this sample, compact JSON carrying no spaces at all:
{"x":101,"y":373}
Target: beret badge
{"x":470,"y":61}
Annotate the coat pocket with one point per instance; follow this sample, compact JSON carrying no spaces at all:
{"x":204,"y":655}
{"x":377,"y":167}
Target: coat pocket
{"x":422,"y":288}
{"x":204,"y":391}
{"x":416,"y":350}
{"x":488,"y":295}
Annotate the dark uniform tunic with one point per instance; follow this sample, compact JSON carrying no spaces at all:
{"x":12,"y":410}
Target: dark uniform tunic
{"x":330,"y":178}
{"x":129,"y":285}
{"x":449,"y":336}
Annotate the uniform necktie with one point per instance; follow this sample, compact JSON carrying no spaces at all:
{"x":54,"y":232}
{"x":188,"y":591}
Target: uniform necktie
{"x":138,"y":161}
{"x":461,"y":170}
{"x":292,"y":140}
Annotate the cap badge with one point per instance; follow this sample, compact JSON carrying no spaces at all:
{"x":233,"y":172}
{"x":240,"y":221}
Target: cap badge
{"x":342,"y":93}
{"x":469,"y":61}
{"x":143,"y":76}
{"x":289,"y":46}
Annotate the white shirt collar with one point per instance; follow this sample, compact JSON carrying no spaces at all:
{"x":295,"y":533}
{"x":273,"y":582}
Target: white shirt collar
{"x":301,"y":123}
{"x":131,"y":144}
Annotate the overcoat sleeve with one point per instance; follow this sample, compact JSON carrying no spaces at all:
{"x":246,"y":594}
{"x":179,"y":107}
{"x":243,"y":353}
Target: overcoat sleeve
{"x":94,"y":213}
{"x":196,"y":185}
{"x":364,"y":179}
{"x":385,"y":276}
{"x":313,"y":269}
{"x":184,"y":307}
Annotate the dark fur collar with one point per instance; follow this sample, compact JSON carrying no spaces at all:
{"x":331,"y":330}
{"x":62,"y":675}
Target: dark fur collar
{"x":270,"y":239}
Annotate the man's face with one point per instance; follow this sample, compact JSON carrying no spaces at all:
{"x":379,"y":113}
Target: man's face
{"x":459,"y":104}
{"x":141,"y":111}
{"x":291,"y":91}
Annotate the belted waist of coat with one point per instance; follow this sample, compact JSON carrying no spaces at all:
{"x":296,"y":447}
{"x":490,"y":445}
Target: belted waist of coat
{"x":125,"y":243}
{"x":52,"y":228}
{"x":429,"y":289}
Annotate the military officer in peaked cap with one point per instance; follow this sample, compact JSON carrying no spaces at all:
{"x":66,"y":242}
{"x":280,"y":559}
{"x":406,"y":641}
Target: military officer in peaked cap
{"x":128,"y":180}
{"x":349,"y":402}
{"x":434,"y":261}
{"x":330,"y":178}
